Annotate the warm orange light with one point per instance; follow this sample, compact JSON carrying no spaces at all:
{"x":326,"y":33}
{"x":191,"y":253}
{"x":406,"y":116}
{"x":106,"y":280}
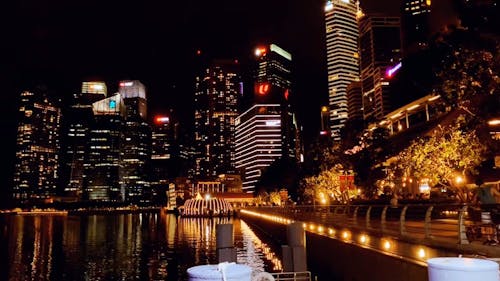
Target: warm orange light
{"x":260,"y":51}
{"x":263,"y":88}
{"x":161,"y":119}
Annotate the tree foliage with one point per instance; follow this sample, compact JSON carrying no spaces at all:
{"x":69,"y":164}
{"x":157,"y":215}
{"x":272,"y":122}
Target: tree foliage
{"x":325,"y":188}
{"x":439,"y":158}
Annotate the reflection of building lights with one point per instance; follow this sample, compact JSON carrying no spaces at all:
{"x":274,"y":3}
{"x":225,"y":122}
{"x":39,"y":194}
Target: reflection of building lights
{"x":421,"y":253}
{"x":266,"y":250}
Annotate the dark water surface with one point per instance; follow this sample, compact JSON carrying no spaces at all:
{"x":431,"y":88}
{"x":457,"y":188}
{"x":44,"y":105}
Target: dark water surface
{"x":147,"y":246}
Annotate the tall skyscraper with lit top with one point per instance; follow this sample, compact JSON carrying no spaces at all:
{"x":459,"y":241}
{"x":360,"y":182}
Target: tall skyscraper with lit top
{"x":217,"y":93}
{"x":415,"y":25}
{"x":135,"y":143}
{"x":38,"y":142}
{"x":342,"y":57}
{"x":78,"y":119}
{"x":101,"y":181}
{"x":380,"y":51}
{"x":267,"y":130}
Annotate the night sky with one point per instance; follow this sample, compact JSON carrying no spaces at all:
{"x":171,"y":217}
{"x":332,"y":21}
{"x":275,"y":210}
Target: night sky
{"x":60,"y":43}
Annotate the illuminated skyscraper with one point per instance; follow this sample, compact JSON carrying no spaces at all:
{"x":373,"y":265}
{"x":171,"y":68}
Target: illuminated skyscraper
{"x":216,"y":107}
{"x":258,"y":142}
{"x":355,"y":101}
{"x":380,"y":50}
{"x":135,"y":147}
{"x":102,"y":166}
{"x":273,"y":86}
{"x":274,"y":68}
{"x":37,"y":156}
{"x":79,"y":119}
{"x":268,"y":129}
{"x":165,"y":160}
{"x":416,"y":25}
{"x":342,"y":57}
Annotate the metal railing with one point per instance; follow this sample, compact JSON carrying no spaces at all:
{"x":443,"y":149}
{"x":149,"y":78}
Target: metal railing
{"x":292,"y":276}
{"x":445,"y":222}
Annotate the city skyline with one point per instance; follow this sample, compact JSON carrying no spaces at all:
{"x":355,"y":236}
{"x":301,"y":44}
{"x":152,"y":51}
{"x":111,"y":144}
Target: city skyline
{"x":60,"y":45}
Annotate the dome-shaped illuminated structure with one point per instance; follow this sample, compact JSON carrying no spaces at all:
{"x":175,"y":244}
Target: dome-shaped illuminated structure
{"x":206,"y":207}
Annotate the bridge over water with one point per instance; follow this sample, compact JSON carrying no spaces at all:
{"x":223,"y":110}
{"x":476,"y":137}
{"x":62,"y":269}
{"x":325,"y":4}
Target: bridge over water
{"x":380,"y":242}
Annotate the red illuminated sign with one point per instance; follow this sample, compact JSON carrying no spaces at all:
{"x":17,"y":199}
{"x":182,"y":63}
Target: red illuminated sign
{"x":262,"y":88}
{"x":162,"y":119}
{"x":286,"y":94}
{"x":346,"y":182}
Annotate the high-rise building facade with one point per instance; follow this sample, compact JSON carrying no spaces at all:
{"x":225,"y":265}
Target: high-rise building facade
{"x":165,"y":160}
{"x":38,"y":143}
{"x":135,"y":143}
{"x":267,"y":130}
{"x":380,"y":51}
{"x":355,"y":101}
{"x":101,"y":181}
{"x":274,"y":67}
{"x":342,"y":57}
{"x":415,"y":25}
{"x":216,"y":107}
{"x":258,"y":142}
{"x":78,"y":120}
{"x":273,"y":86}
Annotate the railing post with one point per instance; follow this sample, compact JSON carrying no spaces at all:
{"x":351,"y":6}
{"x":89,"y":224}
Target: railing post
{"x":428,"y":222}
{"x":383,"y":217}
{"x":368,"y":216}
{"x":356,"y":215}
{"x":402,"y":221}
{"x":462,"y":234}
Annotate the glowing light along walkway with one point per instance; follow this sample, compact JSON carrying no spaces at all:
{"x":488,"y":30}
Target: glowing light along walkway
{"x":385,"y":245}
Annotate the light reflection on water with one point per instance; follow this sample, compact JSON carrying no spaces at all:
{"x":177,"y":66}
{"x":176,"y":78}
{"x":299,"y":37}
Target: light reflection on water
{"x":148,"y":246}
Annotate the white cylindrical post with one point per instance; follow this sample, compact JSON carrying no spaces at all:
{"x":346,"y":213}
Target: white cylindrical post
{"x":462,"y":269}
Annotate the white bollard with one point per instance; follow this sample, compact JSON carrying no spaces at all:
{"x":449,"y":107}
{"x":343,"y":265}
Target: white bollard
{"x":462,"y":269}
{"x":221,"y":272}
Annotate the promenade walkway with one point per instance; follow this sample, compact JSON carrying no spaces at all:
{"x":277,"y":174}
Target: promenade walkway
{"x":438,"y":227}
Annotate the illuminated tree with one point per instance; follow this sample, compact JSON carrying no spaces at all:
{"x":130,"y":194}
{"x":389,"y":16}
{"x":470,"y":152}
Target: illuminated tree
{"x":442,"y":158}
{"x":326,"y":186}
{"x":275,"y":198}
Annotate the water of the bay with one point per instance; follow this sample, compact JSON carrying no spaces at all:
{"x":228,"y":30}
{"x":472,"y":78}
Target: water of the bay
{"x":146,"y":246}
